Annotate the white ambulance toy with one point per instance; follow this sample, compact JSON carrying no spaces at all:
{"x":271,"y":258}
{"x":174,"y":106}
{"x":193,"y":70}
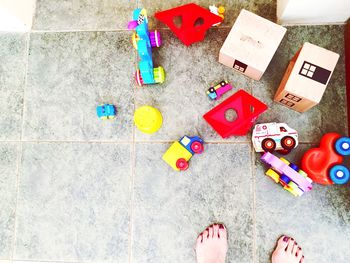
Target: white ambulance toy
{"x":268,"y":137}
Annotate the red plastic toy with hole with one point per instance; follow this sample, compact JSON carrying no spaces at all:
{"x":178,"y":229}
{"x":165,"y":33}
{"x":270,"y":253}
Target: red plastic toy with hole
{"x":324,"y":164}
{"x":195,"y":21}
{"x":247,"y":108}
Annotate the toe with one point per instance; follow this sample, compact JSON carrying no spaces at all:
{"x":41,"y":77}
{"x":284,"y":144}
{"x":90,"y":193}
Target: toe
{"x":295,"y":248}
{"x":222,"y":232}
{"x":211,"y":231}
{"x":282,"y":243}
{"x":216,"y":231}
{"x":299,"y":254}
{"x":302,"y":259}
{"x":205,"y":235}
{"x":290,"y":245}
{"x":199,"y":239}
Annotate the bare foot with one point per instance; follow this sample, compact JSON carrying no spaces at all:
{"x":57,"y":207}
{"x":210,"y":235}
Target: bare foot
{"x":287,"y":251}
{"x":211,"y":246}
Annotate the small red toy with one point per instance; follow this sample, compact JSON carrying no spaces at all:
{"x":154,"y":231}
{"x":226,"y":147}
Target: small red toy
{"x":323,"y":164}
{"x":247,"y":108}
{"x":195,"y":21}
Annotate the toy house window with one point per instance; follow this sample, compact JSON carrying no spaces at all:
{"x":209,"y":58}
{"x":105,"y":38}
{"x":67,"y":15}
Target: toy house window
{"x":287,"y":103}
{"x":282,"y":129}
{"x":239,"y":66}
{"x":314,"y":72}
{"x":292,"y":97}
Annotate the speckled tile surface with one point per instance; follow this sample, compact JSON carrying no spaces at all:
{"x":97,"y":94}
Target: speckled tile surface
{"x":8,"y":186}
{"x":318,"y":221}
{"x":74,"y":202}
{"x":83,"y":14}
{"x":98,"y":191}
{"x":171,"y":209}
{"x":69,"y":74}
{"x":12,"y":74}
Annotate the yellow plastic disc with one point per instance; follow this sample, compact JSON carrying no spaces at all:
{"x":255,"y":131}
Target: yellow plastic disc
{"x":148,"y":119}
{"x":221,"y":10}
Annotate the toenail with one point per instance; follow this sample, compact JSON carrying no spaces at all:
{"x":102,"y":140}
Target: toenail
{"x":285,"y":239}
{"x":221,"y":226}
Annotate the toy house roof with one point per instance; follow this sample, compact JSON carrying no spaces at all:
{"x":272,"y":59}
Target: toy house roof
{"x":312,"y":71}
{"x":253,"y":40}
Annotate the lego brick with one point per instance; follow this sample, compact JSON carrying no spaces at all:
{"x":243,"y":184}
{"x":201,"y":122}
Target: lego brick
{"x":251,"y":44}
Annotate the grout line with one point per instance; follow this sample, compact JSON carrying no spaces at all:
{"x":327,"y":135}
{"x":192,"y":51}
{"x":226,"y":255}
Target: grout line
{"x":49,"y":261}
{"x":254,"y":201}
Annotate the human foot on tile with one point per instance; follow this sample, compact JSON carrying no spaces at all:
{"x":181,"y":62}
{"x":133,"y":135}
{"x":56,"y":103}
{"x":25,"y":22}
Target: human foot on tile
{"x":211,"y":246}
{"x":287,"y":251}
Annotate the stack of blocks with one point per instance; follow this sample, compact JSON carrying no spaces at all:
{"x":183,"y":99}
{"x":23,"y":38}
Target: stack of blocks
{"x":251,"y":44}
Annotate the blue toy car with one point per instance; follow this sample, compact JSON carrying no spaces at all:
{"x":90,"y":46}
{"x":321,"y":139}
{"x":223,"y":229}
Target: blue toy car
{"x":106,"y":111}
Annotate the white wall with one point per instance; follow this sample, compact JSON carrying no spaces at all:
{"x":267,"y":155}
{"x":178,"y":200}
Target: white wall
{"x":16,"y":15}
{"x":312,"y":11}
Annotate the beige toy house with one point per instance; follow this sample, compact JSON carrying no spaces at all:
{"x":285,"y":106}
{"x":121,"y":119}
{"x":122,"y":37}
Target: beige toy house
{"x":306,"y":78}
{"x":251,"y":44}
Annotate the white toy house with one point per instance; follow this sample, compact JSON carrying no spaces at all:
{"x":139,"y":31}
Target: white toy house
{"x":306,"y":78}
{"x":251,"y":44}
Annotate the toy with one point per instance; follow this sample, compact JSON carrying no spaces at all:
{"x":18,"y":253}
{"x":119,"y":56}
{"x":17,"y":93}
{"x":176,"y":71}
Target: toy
{"x":180,"y":152}
{"x":247,"y":108}
{"x":324,"y":164}
{"x":347,"y":65}
{"x":106,"y":111}
{"x":251,"y":44}
{"x":144,"y":41}
{"x":293,"y":179}
{"x":215,"y":92}
{"x":219,"y":11}
{"x":148,"y":119}
{"x":268,"y":137}
{"x":194,"y":22}
{"x":306,"y":78}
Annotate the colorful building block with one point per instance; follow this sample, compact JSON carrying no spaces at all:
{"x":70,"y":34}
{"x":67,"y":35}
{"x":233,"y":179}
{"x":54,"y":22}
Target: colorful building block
{"x":268,"y":137}
{"x":324,"y":164}
{"x":306,"y":78}
{"x":215,"y":92}
{"x":251,"y":44}
{"x":293,"y":179}
{"x":180,"y":152}
{"x":247,"y":109}
{"x":194,"y":21}
{"x":144,"y":41}
{"x":106,"y":111}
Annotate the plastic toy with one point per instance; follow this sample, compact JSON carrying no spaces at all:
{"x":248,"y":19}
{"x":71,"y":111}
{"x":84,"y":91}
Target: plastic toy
{"x":180,"y":152}
{"x":293,"y":179}
{"x":148,"y":119}
{"x":215,"y":92}
{"x":306,"y":78}
{"x":194,"y":22}
{"x":247,"y":108}
{"x":251,"y":44}
{"x":106,"y":111}
{"x":324,"y":164}
{"x":144,"y":41}
{"x":268,"y":137}
{"x":219,"y":11}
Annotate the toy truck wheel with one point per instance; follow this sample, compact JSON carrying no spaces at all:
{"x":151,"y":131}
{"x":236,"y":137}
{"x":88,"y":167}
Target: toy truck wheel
{"x":182,"y":164}
{"x":273,"y":175}
{"x":288,"y":143}
{"x":134,"y":39}
{"x":197,"y":147}
{"x":138,"y":78}
{"x":155,"y":39}
{"x":268,"y":145}
{"x":159,"y":74}
{"x":339,"y":174}
{"x":284,"y":180}
{"x":342,"y":146}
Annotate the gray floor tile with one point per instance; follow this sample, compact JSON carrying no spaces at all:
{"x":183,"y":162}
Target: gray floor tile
{"x":172,"y":208}
{"x":69,"y":75}
{"x":83,"y":14}
{"x":74,"y":202}
{"x":182,"y":99}
{"x":264,"y":8}
{"x":8,"y":186}
{"x":12,"y":75}
{"x":318,"y":220}
{"x":330,"y":114}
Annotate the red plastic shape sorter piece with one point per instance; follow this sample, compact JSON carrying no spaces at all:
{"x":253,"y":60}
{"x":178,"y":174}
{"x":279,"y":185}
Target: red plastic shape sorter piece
{"x":316,"y":162}
{"x":247,"y":107}
{"x":195,"y":21}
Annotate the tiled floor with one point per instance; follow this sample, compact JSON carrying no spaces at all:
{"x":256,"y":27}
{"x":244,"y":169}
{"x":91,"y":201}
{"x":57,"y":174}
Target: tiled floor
{"x":75,"y":189}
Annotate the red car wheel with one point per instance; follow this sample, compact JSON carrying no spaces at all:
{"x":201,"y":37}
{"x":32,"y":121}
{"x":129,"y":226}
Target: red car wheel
{"x":288,"y":143}
{"x":138,"y":78}
{"x":197,"y":147}
{"x":182,"y":164}
{"x":268,"y":145}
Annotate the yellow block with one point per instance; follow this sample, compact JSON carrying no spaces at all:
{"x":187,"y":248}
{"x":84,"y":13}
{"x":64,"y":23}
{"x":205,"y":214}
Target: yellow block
{"x":175,"y":152}
{"x":274,"y":176}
